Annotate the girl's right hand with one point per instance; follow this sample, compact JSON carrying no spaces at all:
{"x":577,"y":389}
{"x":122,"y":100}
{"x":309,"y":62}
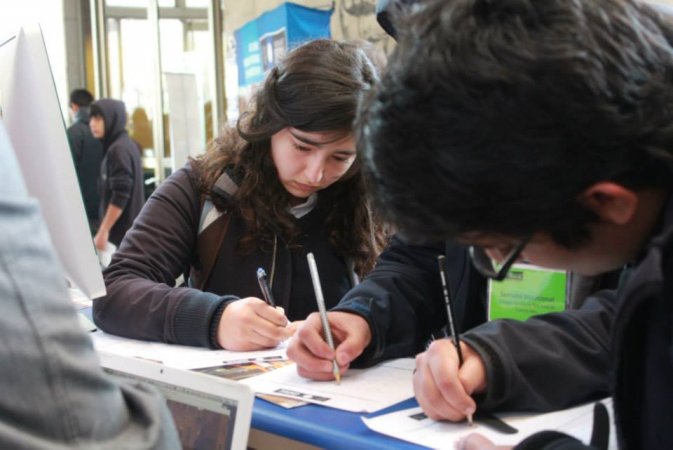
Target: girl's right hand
{"x":251,"y":324}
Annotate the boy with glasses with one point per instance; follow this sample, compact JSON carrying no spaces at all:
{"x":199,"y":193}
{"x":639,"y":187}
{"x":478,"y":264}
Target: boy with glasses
{"x":548,"y":121}
{"x":399,"y":310}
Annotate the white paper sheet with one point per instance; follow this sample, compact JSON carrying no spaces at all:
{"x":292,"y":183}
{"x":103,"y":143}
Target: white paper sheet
{"x":576,"y":422}
{"x":179,"y":356}
{"x":361,"y":390}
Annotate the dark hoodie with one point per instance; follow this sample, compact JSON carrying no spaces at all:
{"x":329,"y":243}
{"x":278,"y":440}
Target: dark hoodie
{"x":87,"y":154}
{"x":121,"y":182}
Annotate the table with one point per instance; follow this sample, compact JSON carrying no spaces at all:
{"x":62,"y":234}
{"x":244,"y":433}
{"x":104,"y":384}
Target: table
{"x":321,"y":427}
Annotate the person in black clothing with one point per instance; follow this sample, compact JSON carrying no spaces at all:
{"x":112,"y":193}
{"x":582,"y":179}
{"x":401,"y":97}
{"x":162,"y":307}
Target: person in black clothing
{"x":121,"y":185}
{"x":546,"y":136}
{"x":87,"y":154}
{"x":399,"y":307}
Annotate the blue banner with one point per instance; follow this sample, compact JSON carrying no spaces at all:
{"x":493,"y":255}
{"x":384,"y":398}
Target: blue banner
{"x":262,"y":41}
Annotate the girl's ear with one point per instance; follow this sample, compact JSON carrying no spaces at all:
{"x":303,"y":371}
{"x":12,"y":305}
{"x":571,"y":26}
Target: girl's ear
{"x":612,"y":202}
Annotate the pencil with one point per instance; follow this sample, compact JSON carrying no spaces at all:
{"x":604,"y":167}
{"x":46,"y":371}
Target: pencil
{"x":441,"y":262}
{"x":317,"y":287}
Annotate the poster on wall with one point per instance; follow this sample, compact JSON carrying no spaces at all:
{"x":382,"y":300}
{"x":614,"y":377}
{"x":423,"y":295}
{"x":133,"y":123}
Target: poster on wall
{"x":261,"y":42}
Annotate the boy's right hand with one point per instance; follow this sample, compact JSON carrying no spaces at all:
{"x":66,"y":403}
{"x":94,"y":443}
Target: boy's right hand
{"x":444,"y":388}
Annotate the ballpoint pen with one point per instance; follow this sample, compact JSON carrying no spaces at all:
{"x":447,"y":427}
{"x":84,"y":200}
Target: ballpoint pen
{"x":264,"y":286}
{"x":313,"y":268}
{"x":441,"y":262}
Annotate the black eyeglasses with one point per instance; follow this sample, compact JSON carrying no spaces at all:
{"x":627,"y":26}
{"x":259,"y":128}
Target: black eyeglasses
{"x":489,"y":268}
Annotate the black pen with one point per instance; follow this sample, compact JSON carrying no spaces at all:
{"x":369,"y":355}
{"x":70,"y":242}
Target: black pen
{"x":264,"y":286}
{"x":441,"y":262}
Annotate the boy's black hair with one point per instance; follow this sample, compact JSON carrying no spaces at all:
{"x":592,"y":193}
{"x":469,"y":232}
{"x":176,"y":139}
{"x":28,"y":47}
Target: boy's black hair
{"x":81,"y":97}
{"x":95,"y":111}
{"x":388,"y":12}
{"x":494,"y":116}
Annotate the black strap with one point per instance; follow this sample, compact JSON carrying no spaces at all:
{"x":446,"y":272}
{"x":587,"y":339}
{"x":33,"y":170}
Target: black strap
{"x":209,"y":240}
{"x":208,"y":244}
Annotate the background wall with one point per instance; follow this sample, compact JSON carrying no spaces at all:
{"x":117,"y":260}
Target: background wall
{"x":352,"y":19}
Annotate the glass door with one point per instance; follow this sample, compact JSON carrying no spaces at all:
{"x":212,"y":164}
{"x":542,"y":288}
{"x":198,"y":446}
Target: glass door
{"x":160,"y":58}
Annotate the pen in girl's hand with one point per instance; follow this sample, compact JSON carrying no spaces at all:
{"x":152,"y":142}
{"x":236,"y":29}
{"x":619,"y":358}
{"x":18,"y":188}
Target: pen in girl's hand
{"x":264,"y":286}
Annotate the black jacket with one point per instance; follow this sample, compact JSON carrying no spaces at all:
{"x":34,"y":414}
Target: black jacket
{"x":642,"y":351}
{"x":403,"y":303}
{"x":87,"y":154}
{"x":402,"y":298}
{"x":143,"y":303}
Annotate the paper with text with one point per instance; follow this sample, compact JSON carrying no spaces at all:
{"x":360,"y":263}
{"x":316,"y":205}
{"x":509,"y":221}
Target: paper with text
{"x":178,"y":356}
{"x":413,"y":426}
{"x":361,"y":390}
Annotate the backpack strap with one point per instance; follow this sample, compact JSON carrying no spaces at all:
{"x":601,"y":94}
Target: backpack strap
{"x":213,"y":225}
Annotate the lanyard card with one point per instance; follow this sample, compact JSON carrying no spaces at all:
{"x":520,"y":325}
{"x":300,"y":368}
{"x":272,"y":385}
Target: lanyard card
{"x":527,"y":291}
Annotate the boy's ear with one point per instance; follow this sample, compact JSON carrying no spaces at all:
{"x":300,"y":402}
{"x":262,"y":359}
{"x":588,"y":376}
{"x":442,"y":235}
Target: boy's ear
{"x":612,"y":202}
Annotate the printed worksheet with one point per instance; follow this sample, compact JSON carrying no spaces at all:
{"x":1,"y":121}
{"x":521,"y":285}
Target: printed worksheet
{"x":413,"y":426}
{"x":180,"y":356}
{"x":360,"y":390}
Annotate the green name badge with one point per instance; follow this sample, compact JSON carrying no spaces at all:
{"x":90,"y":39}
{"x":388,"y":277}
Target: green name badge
{"x":527,"y":291}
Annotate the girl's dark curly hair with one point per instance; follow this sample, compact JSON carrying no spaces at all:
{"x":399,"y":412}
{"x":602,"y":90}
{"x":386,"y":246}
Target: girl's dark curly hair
{"x":316,"y":87}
